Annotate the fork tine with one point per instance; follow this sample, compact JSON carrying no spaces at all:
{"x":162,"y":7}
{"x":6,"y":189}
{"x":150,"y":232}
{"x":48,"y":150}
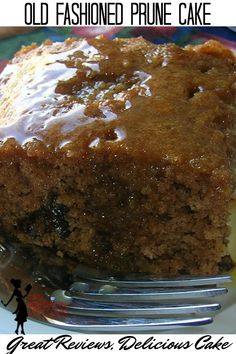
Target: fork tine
{"x":150,"y":282}
{"x":141,"y":310}
{"x":145,"y":295}
{"x":147,"y":280}
{"x":121,"y":325}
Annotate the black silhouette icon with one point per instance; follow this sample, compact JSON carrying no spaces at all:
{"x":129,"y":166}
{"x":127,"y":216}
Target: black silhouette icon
{"x":21,"y":310}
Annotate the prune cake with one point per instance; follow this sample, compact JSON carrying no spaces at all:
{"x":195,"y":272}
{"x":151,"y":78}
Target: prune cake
{"x":120,"y":154}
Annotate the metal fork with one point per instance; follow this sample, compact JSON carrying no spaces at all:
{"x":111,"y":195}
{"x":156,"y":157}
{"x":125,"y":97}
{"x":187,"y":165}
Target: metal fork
{"x":98,"y":303}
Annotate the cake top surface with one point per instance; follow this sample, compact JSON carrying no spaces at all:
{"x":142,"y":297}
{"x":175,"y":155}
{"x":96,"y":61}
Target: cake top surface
{"x":126,"y":95}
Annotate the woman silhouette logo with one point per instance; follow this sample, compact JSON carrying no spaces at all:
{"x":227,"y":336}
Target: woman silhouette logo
{"x":21,"y":310}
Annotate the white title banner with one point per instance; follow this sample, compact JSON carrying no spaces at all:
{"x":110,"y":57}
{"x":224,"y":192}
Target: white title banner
{"x":118,"y":13}
{"x":117,"y":343}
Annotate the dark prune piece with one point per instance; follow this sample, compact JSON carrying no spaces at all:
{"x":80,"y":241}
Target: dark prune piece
{"x":226,"y":263}
{"x":58,"y":219}
{"x":49,"y":219}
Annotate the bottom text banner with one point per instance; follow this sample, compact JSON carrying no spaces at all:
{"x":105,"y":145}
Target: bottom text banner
{"x":129,"y":343}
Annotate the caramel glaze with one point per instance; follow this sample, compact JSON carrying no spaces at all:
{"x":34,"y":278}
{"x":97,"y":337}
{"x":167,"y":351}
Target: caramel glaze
{"x":158,"y":103}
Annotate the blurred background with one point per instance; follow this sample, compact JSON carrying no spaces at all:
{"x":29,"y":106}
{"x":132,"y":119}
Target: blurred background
{"x":12,"y":38}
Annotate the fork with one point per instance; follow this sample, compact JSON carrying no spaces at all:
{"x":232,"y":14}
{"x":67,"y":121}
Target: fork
{"x":97,"y":303}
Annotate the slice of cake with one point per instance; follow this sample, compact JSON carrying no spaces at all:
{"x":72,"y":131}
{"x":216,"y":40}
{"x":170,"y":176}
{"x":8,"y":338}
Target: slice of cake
{"x":120,"y":153}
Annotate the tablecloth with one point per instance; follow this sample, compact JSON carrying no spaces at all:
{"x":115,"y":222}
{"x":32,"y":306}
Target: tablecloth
{"x":178,"y":35}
